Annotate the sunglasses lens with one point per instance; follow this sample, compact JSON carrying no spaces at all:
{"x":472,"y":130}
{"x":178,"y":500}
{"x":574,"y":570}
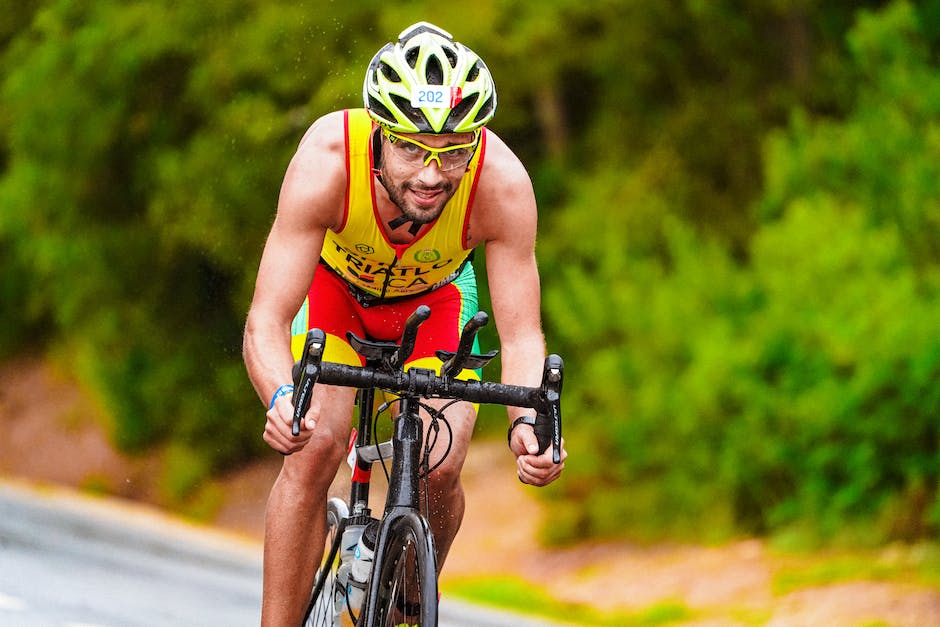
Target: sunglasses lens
{"x":416,"y":153}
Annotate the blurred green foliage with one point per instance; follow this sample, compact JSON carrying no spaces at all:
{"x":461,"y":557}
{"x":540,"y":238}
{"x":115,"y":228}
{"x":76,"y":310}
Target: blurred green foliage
{"x":793,"y":386}
{"x":740,"y":209}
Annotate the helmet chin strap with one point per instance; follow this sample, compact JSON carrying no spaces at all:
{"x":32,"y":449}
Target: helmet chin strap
{"x":377,"y":172}
{"x":402,"y":220}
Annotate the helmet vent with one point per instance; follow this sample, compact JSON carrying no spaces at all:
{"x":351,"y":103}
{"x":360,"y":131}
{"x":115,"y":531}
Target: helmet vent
{"x":381,"y":110}
{"x":486,"y":111}
{"x":474,"y":72}
{"x":411,"y":57}
{"x":451,"y":56}
{"x":465,"y":105}
{"x":389,"y":72}
{"x":415,"y":115}
{"x":434,"y":72}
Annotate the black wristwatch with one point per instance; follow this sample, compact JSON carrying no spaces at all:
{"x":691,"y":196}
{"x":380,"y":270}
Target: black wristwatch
{"x":521,"y":420}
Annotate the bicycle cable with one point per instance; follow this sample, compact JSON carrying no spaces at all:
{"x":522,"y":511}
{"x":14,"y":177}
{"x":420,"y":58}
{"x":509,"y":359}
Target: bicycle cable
{"x":437,"y":417}
{"x":430,"y":439}
{"x":384,"y":407}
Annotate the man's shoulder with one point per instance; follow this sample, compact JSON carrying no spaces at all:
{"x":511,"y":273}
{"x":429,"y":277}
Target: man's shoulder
{"x":326,"y":132}
{"x":316,"y":176}
{"x":505,"y":201}
{"x":501,"y":167}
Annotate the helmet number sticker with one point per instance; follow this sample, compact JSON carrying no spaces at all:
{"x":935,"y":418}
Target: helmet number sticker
{"x":436,"y":97}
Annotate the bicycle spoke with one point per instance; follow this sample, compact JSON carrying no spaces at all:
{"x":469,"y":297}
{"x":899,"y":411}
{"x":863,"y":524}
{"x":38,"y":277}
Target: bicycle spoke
{"x":323,"y":611}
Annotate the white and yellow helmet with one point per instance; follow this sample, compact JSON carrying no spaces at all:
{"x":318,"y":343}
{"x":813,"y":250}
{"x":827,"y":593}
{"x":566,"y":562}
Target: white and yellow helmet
{"x":428,"y":83}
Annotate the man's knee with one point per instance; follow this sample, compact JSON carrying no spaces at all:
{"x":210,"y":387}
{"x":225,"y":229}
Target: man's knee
{"x":447,"y":472}
{"x":445,"y":477}
{"x":316,"y":464}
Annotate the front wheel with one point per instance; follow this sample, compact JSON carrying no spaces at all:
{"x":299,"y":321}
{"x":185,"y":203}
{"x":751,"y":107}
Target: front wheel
{"x":321,"y":611}
{"x":406,"y":589}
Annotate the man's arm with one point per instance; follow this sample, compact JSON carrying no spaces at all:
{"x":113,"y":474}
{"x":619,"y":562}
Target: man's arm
{"x":311,"y":201}
{"x":507,"y":222}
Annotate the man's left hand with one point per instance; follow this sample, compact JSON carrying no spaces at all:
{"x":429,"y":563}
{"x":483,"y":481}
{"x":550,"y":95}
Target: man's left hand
{"x":532,"y":468}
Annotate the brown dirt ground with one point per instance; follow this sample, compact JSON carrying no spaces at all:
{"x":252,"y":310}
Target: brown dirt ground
{"x":52,"y":436}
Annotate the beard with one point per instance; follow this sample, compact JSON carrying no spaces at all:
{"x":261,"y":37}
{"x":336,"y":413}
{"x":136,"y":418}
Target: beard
{"x":402,"y":195}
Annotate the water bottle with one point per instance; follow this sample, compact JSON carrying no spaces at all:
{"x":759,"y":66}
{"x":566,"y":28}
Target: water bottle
{"x":355,"y":565}
{"x":347,"y":549}
{"x":363,"y":553}
{"x":361,"y":565}
{"x":349,"y":542}
{"x":340,"y":595}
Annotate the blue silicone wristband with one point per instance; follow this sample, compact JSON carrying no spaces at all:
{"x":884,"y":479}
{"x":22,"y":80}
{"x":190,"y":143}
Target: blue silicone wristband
{"x":284,"y":390}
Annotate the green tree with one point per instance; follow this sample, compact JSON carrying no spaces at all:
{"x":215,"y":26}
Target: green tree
{"x":793,"y":386}
{"x":145,"y":143}
{"x":142,"y":145}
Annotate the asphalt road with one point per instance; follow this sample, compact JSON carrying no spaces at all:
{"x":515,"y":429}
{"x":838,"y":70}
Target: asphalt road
{"x":70,"y":562}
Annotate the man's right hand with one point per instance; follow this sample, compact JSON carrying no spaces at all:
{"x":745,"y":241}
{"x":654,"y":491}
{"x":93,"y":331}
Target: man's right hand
{"x":279,"y":424}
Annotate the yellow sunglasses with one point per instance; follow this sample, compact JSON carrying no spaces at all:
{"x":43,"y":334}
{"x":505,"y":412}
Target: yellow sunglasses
{"x":415,"y":153}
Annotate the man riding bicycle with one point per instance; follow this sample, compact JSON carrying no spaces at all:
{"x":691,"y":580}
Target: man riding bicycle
{"x":379,"y":212}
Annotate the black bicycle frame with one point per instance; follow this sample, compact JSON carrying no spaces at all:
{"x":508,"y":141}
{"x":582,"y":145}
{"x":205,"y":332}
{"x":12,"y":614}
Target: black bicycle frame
{"x":383,"y":371}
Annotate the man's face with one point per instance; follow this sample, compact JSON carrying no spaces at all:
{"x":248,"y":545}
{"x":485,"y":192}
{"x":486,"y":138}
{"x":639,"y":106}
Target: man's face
{"x":421,"y":191}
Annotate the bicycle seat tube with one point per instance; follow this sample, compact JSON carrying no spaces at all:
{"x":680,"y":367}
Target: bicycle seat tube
{"x":362,"y":470}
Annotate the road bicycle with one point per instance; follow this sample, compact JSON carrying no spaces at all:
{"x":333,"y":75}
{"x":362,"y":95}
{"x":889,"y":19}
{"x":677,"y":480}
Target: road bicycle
{"x":401,"y":587}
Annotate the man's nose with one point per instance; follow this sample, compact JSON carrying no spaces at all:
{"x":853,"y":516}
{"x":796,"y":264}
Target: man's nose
{"x":431,"y":173}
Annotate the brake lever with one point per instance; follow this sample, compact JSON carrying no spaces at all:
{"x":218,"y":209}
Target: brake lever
{"x":551,"y":386}
{"x":307,"y":374}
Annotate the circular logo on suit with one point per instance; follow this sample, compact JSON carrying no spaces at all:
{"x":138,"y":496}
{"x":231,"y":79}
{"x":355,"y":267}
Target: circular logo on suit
{"x":428,"y":255}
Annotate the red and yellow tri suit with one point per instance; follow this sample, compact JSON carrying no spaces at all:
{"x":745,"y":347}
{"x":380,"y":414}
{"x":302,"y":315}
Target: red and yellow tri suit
{"x":368,"y":285}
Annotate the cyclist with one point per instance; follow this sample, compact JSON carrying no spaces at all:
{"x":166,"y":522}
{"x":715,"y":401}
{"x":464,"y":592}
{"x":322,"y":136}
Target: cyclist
{"x":379,"y":211}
